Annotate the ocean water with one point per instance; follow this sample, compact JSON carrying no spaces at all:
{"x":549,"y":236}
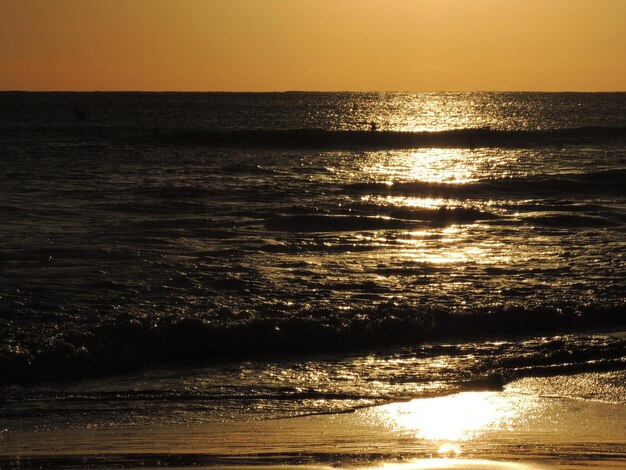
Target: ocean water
{"x":201,"y":256}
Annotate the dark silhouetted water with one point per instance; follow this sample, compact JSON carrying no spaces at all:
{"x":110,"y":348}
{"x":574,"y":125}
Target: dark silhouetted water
{"x":268,"y":254}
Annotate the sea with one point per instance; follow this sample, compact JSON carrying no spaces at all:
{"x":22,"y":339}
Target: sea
{"x":250,"y":256}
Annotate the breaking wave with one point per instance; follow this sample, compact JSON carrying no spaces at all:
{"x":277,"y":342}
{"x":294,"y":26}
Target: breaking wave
{"x":453,"y":138}
{"x":116,"y":346}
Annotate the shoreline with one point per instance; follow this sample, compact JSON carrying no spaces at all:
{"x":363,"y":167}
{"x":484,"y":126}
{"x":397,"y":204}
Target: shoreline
{"x":520,"y":427}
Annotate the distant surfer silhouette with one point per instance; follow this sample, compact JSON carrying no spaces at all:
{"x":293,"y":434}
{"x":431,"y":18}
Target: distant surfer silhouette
{"x":80,"y":114}
{"x":373,"y":126}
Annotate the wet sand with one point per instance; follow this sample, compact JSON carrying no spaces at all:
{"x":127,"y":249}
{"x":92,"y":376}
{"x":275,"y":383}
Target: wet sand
{"x":520,"y":427}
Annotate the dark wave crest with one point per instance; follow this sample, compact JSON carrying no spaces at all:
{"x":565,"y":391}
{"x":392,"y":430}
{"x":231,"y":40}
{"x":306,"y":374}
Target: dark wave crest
{"x":454,"y":138}
{"x":116,"y":346}
{"x":602,"y":182}
{"x":400,"y":219}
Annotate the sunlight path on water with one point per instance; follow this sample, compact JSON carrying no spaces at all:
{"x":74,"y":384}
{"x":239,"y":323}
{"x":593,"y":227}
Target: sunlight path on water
{"x":452,"y":422}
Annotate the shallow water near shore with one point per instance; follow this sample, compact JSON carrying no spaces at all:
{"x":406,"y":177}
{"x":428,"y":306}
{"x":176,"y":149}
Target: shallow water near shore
{"x":520,"y":427}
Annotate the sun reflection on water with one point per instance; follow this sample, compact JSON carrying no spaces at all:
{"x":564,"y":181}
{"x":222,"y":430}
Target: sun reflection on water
{"x":433,"y":165}
{"x":405,"y":201}
{"x":447,"y":464}
{"x":450,"y":419}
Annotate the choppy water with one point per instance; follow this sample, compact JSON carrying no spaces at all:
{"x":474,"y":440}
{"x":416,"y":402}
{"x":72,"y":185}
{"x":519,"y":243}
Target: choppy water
{"x":268,"y":253}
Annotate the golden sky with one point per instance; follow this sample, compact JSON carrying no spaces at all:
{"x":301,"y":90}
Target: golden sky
{"x":265,"y":45}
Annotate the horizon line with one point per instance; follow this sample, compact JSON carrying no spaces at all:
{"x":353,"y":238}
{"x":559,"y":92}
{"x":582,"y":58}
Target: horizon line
{"x":305,"y":91}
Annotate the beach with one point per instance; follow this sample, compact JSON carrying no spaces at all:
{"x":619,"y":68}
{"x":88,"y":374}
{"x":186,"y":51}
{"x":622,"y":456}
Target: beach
{"x":527,"y":425}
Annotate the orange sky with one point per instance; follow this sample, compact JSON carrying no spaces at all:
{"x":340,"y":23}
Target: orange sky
{"x":250,"y":45}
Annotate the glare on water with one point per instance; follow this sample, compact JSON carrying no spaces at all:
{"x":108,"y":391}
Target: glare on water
{"x":452,"y":418}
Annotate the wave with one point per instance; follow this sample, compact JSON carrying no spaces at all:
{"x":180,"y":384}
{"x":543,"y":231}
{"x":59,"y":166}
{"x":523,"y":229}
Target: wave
{"x":117,"y":346}
{"x":337,"y":223}
{"x":569,"y":221}
{"x":610,"y":182}
{"x":453,"y":138}
{"x":173,"y":396}
{"x":316,"y":138}
{"x":400,"y":219}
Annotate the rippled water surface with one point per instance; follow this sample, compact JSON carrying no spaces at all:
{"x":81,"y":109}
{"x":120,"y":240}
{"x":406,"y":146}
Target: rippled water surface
{"x":411,"y":271}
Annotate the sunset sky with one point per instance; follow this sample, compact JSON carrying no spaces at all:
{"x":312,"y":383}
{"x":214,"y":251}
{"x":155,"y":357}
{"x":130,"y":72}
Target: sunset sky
{"x":265,"y":45}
